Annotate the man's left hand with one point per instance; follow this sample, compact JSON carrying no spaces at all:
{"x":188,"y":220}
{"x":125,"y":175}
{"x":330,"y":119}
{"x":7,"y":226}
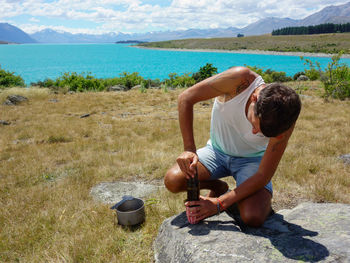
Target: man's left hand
{"x":199,"y":210}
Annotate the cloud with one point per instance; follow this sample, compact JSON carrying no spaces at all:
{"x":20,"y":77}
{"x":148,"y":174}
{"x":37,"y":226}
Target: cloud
{"x":137,"y":16}
{"x":33,"y":19}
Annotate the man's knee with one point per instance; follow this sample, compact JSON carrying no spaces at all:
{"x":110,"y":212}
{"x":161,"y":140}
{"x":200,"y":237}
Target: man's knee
{"x":174,"y":180}
{"x":252,"y":218}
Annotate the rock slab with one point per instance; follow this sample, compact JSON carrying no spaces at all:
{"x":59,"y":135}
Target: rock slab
{"x":113,"y":192}
{"x":308,"y":233}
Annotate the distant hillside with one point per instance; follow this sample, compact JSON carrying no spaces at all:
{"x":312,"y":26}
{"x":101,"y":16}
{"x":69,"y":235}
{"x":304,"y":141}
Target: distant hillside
{"x":332,"y":14}
{"x":267,"y":25}
{"x":325,"y":43}
{"x":10,"y":33}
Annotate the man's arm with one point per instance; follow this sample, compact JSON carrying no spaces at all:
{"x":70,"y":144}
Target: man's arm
{"x":230,"y":83}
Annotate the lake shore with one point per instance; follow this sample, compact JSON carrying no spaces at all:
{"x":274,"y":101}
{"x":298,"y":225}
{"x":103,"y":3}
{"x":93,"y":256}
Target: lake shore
{"x":247,"y":51}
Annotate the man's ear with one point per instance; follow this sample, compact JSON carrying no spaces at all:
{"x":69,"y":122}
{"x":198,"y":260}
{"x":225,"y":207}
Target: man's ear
{"x":255,"y":97}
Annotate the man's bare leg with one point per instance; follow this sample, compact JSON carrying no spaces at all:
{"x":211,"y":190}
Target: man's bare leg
{"x":175,"y":181}
{"x":256,"y":208}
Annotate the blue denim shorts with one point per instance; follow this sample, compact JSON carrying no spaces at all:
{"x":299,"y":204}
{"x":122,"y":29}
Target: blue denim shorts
{"x":222,"y":165}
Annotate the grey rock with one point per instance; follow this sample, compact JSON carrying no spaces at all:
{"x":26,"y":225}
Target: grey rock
{"x":14,"y":99}
{"x":345,"y":158}
{"x":85,"y":115}
{"x":308,"y":233}
{"x":112,"y":192}
{"x":136,"y":87}
{"x":8,"y":103}
{"x":4,"y":122}
{"x":117,"y":88}
{"x":302,"y":78}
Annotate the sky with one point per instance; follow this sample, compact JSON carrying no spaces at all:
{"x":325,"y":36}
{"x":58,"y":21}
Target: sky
{"x":140,"y":16}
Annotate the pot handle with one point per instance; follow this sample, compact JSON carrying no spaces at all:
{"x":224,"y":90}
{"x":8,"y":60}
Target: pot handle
{"x":125,"y":198}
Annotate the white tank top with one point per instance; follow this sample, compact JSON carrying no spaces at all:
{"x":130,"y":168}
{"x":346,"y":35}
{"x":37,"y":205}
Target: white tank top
{"x":231,"y":132}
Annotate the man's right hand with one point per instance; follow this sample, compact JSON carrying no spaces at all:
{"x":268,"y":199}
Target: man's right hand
{"x":187,"y":162}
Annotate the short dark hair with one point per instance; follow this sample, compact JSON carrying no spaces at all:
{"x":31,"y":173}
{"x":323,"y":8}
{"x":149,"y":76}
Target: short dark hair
{"x":277,"y":108}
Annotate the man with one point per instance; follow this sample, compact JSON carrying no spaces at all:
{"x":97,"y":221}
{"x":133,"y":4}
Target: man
{"x":251,"y":124}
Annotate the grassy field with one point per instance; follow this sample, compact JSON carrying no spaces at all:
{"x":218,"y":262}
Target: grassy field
{"x":50,"y":158}
{"x":323,"y":43}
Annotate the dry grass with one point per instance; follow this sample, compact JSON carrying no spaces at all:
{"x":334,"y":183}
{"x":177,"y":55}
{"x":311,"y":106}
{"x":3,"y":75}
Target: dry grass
{"x":324,"y":43}
{"x":50,"y":158}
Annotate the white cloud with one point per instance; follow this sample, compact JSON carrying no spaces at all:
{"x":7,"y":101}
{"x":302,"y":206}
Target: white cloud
{"x":134,"y":16}
{"x":33,"y":19}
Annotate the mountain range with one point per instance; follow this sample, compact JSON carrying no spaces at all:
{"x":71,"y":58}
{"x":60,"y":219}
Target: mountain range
{"x":331,"y":14}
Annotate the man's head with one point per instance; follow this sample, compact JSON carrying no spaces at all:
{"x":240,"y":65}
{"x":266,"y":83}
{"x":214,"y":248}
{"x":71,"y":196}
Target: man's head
{"x":277,"y":108}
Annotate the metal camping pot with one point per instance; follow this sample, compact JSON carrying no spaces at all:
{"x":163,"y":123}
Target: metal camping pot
{"x":130,"y":211}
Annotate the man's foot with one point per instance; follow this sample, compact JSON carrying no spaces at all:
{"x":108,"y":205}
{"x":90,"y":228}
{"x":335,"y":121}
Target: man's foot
{"x":218,"y":188}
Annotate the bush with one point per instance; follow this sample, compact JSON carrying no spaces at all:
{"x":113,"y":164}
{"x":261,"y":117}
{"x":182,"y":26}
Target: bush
{"x":80,"y":82}
{"x":9,"y":79}
{"x":130,"y":80}
{"x":180,"y":81}
{"x":280,"y":76}
{"x":270,"y":76}
{"x":336,"y":79}
{"x":314,"y":73}
{"x":204,"y":72}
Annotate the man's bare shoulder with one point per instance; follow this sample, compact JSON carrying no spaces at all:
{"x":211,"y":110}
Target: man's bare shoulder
{"x":240,"y":79}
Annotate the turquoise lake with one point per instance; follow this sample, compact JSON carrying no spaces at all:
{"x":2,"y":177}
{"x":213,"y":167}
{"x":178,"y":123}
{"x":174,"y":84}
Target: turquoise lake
{"x":35,"y":62}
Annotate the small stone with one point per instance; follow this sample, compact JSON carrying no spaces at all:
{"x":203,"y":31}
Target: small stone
{"x":345,"y":158}
{"x":14,"y":99}
{"x":4,"y":122}
{"x":85,"y":115}
{"x":302,"y":78}
{"x":136,"y":87}
{"x":117,"y":88}
{"x":8,"y":103}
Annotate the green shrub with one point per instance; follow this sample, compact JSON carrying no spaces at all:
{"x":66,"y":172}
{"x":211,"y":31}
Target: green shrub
{"x":143,"y":87}
{"x":164,"y":87}
{"x":47,"y":83}
{"x":205,"y":72}
{"x":336,"y":79}
{"x":80,"y":82}
{"x":180,"y":81}
{"x":314,"y":73}
{"x":130,"y":80}
{"x":9,"y":79}
{"x":270,"y":76}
